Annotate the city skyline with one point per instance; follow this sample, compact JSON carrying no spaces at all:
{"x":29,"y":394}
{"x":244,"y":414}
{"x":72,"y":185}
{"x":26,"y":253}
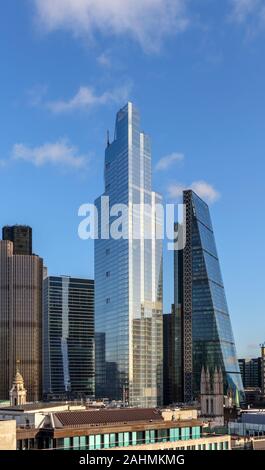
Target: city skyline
{"x":204,"y":112}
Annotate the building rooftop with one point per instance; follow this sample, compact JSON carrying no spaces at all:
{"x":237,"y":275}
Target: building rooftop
{"x":107,"y":416}
{"x":39,"y":406}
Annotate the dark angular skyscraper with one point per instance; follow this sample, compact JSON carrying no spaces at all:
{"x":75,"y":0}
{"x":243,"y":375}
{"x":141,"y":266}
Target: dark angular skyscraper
{"x":21,"y":236}
{"x":201,"y":310}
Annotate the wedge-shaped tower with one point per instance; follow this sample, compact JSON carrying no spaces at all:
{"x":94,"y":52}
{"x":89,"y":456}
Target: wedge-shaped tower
{"x":201,"y":309}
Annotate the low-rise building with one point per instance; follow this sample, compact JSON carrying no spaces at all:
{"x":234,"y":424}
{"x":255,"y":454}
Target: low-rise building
{"x":115,"y":429}
{"x":8,"y":435}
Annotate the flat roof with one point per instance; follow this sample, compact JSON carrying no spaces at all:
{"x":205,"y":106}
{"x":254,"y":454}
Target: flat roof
{"x":39,"y":406}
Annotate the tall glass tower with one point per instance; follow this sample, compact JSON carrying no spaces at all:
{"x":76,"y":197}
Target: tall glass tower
{"x":128,"y":274}
{"x":68,"y":338}
{"x":201,"y":311}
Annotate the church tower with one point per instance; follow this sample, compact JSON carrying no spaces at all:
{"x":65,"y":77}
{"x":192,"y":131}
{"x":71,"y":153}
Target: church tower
{"x":18,"y":393}
{"x":212,"y":396}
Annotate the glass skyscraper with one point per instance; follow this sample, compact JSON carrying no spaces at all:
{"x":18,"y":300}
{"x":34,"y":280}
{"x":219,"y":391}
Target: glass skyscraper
{"x":201,"y":310}
{"x":128,"y":274}
{"x":68,"y":337}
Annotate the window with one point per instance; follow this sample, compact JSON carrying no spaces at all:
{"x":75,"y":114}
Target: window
{"x":107,"y":251}
{"x":126,"y":439}
{"x":162,"y":435}
{"x":76,"y":443}
{"x":108,"y":300}
{"x":98,"y":441}
{"x":67,"y":443}
{"x":185,"y":434}
{"x":174,"y":434}
{"x":106,"y":444}
{"x":134,"y":439}
{"x":112,"y":440}
{"x":83,"y":443}
{"x":91,"y":442}
{"x":140,"y":437}
{"x":108,"y":274}
{"x":196,"y":432}
{"x":120,"y":439}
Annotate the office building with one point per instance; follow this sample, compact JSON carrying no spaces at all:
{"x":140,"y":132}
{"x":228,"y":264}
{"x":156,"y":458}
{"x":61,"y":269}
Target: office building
{"x":201,"y":307}
{"x":171,"y":375}
{"x":20,"y":320}
{"x":167,"y":358}
{"x":251,"y":370}
{"x":21,"y":236}
{"x":128,"y":272}
{"x":68,"y":332}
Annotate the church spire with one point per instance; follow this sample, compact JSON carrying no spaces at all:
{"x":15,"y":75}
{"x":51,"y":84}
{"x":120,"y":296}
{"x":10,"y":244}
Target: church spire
{"x":18,"y":393}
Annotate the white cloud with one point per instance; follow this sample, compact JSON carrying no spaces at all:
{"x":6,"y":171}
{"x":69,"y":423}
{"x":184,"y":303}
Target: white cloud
{"x":204,"y":190}
{"x":146,"y":21}
{"x":59,"y":153}
{"x":166,"y":162}
{"x":86,"y":98}
{"x":249,"y":12}
{"x":175,"y":190}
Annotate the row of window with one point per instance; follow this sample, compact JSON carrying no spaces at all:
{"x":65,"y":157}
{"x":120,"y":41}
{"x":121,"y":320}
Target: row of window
{"x":125,"y":439}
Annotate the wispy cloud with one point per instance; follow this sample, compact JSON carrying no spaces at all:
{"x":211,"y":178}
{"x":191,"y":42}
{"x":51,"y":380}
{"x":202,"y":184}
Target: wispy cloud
{"x":169,"y":160}
{"x":86,"y":98}
{"x":242,"y":9}
{"x":104,"y":60}
{"x":205,"y":190}
{"x":146,"y":21}
{"x":175,"y":190}
{"x":60,"y":153}
{"x":250,"y":13}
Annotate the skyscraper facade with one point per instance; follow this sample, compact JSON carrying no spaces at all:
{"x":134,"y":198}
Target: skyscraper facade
{"x":201,"y":307}
{"x":21,"y":236}
{"x":168,"y":358}
{"x":20,"y":320}
{"x":128,"y":272}
{"x":251,"y":372}
{"x":68,"y":337}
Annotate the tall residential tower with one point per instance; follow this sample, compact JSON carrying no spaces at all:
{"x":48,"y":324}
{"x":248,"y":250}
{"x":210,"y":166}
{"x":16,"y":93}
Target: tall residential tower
{"x":128,"y":272}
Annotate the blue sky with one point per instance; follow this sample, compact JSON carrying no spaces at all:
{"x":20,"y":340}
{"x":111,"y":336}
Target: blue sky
{"x":196,"y":71}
